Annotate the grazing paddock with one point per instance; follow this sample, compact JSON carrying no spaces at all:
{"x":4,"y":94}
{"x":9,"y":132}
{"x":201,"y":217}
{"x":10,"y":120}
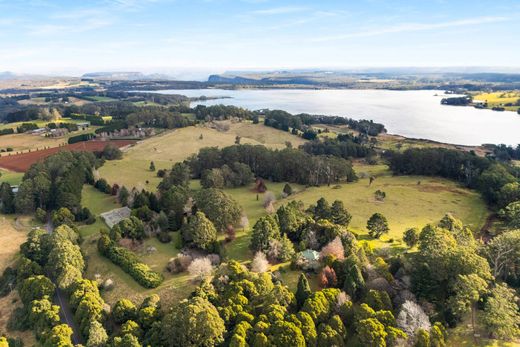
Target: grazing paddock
{"x":22,"y":162}
{"x":177,"y":145}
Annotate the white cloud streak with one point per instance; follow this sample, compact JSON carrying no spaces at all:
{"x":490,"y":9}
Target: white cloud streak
{"x":412,"y":27}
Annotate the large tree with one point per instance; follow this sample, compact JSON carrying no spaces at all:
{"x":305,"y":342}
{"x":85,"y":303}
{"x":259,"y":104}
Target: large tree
{"x":194,"y":322}
{"x":377,"y":225}
{"x":265,"y":230}
{"x":200,"y":231}
{"x":501,"y":315}
{"x":219,"y":207}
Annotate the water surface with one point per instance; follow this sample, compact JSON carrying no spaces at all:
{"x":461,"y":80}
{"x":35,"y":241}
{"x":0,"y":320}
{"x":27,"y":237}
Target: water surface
{"x":416,"y":114}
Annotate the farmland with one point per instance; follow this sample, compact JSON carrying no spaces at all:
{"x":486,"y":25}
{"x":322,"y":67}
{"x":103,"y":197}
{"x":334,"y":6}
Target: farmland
{"x":21,"y":162}
{"x":509,"y":100}
{"x":177,"y":145}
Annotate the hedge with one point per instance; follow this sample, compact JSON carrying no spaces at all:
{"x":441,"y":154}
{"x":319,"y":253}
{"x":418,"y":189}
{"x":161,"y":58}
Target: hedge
{"x":80,"y":138}
{"x":129,"y":262}
{"x":6,"y":131}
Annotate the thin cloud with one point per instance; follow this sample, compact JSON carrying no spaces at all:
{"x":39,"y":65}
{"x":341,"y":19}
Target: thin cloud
{"x":278,"y":10}
{"x":412,"y":27}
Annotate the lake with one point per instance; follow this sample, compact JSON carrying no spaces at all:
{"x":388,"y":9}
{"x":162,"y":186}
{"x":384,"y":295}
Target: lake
{"x":416,"y":114}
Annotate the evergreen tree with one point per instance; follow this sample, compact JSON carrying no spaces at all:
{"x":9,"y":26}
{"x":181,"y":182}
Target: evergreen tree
{"x":303,"y":291}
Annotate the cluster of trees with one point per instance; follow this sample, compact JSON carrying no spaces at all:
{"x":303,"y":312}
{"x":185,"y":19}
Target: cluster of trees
{"x":284,"y":121}
{"x":457,"y":101}
{"x":221,"y":112}
{"x":57,"y":254}
{"x":129,"y":262}
{"x":237,"y":175}
{"x":451,"y":271}
{"x":292,"y":227}
{"x":53,"y":183}
{"x":342,"y":147}
{"x":25,"y":127}
{"x":275,"y":165}
{"x":158,"y":117}
{"x":506,"y":153}
{"x":6,"y":131}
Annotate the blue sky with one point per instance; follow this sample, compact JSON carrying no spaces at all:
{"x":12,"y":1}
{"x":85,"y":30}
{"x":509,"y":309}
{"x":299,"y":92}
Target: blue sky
{"x":46,"y":36}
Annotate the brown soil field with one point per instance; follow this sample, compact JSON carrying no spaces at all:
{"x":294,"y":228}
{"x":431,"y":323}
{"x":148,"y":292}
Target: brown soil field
{"x":22,"y":162}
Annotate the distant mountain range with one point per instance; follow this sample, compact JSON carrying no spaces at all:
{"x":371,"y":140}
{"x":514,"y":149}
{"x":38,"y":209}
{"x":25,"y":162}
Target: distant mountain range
{"x":125,"y":76}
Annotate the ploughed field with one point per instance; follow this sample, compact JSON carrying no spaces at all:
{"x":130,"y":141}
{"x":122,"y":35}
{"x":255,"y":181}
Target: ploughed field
{"x":22,"y":162}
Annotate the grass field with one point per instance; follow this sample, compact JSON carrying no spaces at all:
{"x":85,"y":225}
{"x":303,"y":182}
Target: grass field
{"x":500,"y":99}
{"x":177,"y":145}
{"x":13,"y":232}
{"x":11,"y":177}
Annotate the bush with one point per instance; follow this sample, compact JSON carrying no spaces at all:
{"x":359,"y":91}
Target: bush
{"x":129,"y":262}
{"x":164,"y":237}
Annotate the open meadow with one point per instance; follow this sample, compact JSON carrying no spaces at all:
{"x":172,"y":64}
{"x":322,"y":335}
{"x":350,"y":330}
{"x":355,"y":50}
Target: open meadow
{"x":177,"y":145}
{"x":500,"y":99}
{"x":13,"y":232}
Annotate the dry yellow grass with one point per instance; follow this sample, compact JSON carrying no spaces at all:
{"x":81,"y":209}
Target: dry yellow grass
{"x":23,"y":142}
{"x":177,"y":145}
{"x":12,"y":234}
{"x":7,"y":305}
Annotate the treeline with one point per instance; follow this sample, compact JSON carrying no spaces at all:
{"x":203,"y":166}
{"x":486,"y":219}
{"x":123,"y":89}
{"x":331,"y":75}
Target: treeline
{"x":506,"y":153}
{"x":276,"y":165}
{"x":342,"y":147}
{"x":457,"y":101}
{"x":158,"y":117}
{"x":495,"y":181}
{"x":284,"y":120}
{"x":57,"y":254}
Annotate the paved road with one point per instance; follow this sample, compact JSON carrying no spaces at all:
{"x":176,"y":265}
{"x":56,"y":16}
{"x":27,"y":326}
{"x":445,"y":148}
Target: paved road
{"x":60,"y":298}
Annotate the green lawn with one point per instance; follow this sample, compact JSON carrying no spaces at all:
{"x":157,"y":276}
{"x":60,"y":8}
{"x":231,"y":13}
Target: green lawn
{"x":13,"y":178}
{"x":411,"y":201}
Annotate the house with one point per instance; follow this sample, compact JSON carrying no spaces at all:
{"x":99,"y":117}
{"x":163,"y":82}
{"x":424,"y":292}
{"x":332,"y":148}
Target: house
{"x":83,"y":124}
{"x":311,"y":255}
{"x":38,"y":131}
{"x":14,"y":189}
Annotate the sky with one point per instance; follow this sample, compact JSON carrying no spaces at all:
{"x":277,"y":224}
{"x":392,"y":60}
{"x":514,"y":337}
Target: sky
{"x":74,"y":37}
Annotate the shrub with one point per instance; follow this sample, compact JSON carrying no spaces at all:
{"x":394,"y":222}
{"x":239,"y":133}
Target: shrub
{"x":200,"y":268}
{"x":129,"y":262}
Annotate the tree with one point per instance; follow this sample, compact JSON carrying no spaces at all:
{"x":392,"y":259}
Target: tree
{"x":123,"y":196}
{"x":503,"y":254}
{"x":339,"y":213}
{"x":180,"y":175}
{"x":36,"y":287}
{"x":152,"y":166}
{"x":63,"y":216}
{"x":411,"y":237}
{"x":219,"y":207}
{"x":501,"y":315}
{"x":6,"y":198}
{"x":111,"y":152}
{"x":265,"y":230}
{"x":328,"y":278}
{"x":200,"y":268}
{"x":333,"y":248}
{"x":259,"y":263}
{"x":287,"y":189}
{"x":60,"y":335}
{"x":132,"y":228}
{"x":322,"y":210}
{"x":193,"y":322}
{"x":124,"y":310}
{"x":377,"y":225}
{"x":468,"y":290}
{"x":97,"y":335}
{"x":200,"y":231}
{"x":286,"y":249}
{"x":371,"y":332}
{"x":511,"y":214}
{"x":303,"y":290}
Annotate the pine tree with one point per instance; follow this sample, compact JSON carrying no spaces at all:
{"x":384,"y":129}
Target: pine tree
{"x":152,"y":166}
{"x":303,"y":291}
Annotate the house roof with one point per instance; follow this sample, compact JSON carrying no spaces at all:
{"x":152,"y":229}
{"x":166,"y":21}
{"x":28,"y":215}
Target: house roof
{"x":311,"y":254}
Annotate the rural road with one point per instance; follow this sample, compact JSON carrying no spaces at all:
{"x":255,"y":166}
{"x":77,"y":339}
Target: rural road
{"x":60,"y":298}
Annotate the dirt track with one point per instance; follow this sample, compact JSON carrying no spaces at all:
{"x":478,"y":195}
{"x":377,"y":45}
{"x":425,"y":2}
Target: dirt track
{"x":22,"y":162}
